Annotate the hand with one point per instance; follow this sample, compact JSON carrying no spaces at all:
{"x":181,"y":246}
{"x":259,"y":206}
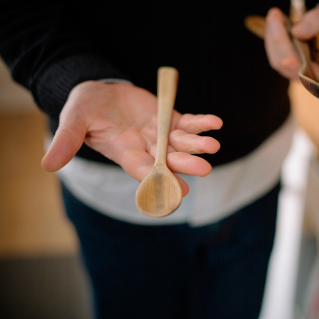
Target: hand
{"x":120,"y":122}
{"x":280,"y":50}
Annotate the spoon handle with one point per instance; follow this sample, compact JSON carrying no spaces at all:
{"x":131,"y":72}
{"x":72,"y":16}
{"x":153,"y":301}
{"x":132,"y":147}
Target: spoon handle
{"x":166,"y":93}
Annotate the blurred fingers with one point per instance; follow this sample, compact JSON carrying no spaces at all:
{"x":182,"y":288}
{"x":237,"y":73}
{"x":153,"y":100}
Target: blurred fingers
{"x":308,"y":27}
{"x":279,"y":46}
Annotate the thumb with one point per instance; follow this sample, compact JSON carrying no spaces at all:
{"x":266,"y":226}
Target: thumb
{"x":67,"y":140}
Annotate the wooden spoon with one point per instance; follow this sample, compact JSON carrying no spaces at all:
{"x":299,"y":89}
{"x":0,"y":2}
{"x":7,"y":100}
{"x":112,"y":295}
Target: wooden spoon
{"x":308,"y":78}
{"x":160,"y":194}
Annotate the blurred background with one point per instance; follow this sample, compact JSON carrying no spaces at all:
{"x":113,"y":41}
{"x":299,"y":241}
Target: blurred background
{"x":40,"y":271}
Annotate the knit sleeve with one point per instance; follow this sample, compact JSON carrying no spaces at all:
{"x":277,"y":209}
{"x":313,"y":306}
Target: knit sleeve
{"x":48,"y":51}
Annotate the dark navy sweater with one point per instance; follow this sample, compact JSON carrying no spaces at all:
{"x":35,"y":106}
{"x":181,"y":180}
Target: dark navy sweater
{"x":51,"y":46}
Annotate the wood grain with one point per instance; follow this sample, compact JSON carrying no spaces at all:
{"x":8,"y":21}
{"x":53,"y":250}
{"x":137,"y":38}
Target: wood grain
{"x":160,"y":194}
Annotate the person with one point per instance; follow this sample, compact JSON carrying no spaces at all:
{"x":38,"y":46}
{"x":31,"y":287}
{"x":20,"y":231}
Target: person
{"x":92,"y":69}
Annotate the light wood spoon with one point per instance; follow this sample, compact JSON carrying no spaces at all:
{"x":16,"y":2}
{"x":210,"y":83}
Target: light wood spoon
{"x":160,"y":194}
{"x":308,"y":78}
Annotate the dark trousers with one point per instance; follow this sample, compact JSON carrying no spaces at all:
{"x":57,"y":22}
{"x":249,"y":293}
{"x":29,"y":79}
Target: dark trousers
{"x":148,"y":272}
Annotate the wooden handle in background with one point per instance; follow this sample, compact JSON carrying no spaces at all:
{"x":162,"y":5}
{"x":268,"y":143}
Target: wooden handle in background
{"x":297,"y":10}
{"x":166,"y":93}
{"x":257,"y":24}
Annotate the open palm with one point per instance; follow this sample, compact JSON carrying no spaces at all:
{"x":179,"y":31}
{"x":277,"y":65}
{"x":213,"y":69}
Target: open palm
{"x":120,"y":122}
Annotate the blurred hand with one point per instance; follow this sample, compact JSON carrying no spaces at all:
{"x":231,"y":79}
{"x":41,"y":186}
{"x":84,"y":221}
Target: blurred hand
{"x":120,"y":122}
{"x":280,"y":50}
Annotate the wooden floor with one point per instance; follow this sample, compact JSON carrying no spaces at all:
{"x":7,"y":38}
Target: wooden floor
{"x":32,"y":221}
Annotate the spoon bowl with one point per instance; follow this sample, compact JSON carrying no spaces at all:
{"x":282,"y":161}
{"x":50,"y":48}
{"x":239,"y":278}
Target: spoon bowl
{"x":159,"y":194}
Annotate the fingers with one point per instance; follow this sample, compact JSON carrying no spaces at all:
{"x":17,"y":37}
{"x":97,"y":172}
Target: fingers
{"x":308,"y":27}
{"x":193,"y":144}
{"x":67,"y":141}
{"x":184,"y":163}
{"x":195,"y":124}
{"x":184,"y":186}
{"x":138,"y":164}
{"x":184,"y":138}
{"x":280,"y":50}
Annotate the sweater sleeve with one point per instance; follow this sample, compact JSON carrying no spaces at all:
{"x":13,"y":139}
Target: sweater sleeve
{"x":49,"y":52}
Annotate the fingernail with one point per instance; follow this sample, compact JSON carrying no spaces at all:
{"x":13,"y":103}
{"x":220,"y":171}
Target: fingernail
{"x":273,"y":11}
{"x":272,"y":24}
{"x":271,"y":19}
